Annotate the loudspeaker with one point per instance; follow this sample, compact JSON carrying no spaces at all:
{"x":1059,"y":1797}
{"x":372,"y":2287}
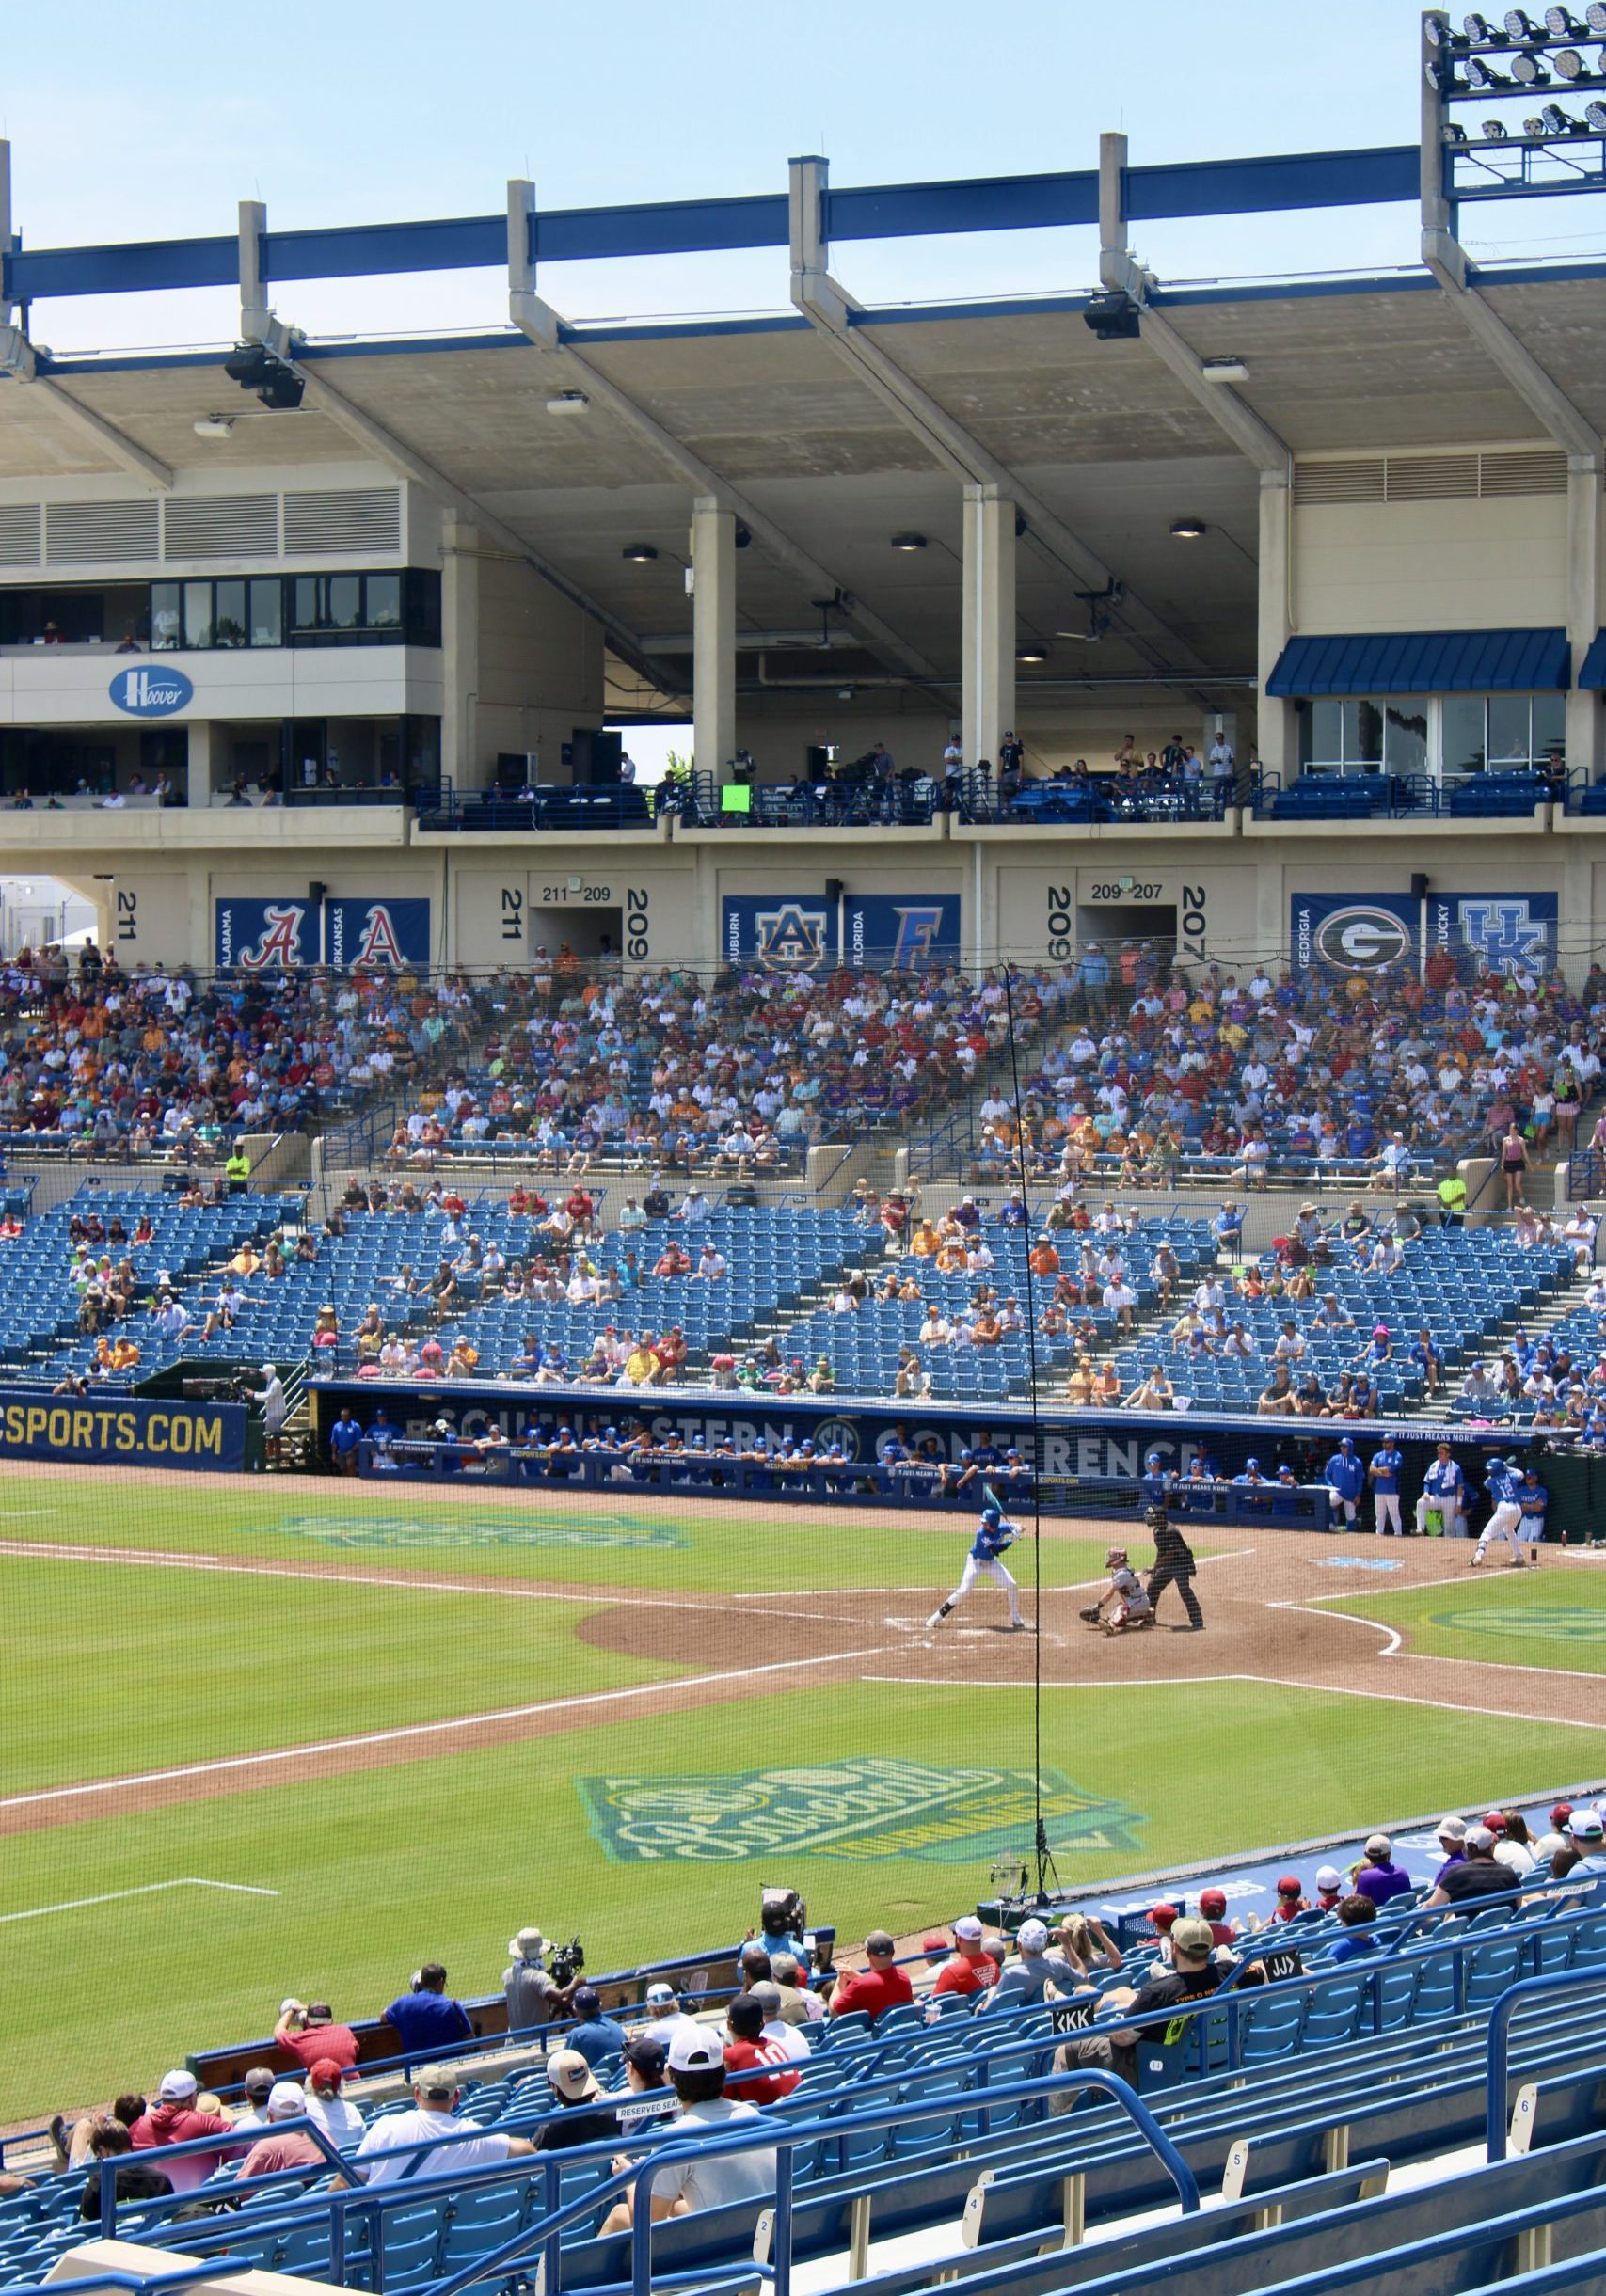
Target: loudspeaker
{"x":834,"y":888}
{"x":316,"y":892}
{"x":1419,"y":887}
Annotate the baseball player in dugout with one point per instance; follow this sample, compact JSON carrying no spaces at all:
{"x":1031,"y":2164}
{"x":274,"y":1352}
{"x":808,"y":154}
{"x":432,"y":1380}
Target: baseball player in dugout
{"x":994,"y":1535}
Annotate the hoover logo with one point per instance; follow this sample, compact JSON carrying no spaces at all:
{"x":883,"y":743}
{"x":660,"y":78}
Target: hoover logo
{"x":146,"y":692}
{"x":863,"y":1809}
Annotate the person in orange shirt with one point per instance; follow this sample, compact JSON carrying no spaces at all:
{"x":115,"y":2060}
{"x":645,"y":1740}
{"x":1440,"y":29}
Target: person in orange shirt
{"x":1043,"y":1259}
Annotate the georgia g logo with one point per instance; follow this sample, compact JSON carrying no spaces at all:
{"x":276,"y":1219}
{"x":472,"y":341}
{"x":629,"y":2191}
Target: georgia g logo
{"x":1362,"y":939}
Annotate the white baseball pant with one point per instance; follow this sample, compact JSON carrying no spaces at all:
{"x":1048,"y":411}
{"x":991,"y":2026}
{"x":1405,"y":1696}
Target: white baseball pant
{"x":1504,"y":1523}
{"x":1455,"y":1521}
{"x":1387,"y":1505}
{"x":995,"y":1571}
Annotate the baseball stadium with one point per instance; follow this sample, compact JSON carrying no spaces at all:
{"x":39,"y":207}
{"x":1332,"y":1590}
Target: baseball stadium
{"x":803,"y":1395}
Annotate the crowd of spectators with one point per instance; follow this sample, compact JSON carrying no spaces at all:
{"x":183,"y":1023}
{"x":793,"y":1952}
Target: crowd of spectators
{"x":1260,"y":1071}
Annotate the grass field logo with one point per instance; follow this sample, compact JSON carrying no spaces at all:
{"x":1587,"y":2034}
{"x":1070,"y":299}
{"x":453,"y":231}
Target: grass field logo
{"x":858,"y":1810}
{"x":1544,"y":1622}
{"x":596,"y":1533}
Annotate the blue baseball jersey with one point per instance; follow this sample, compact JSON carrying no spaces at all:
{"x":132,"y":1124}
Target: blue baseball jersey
{"x":1345,"y":1473}
{"x":1535,"y":1501}
{"x":1387,"y":1466}
{"x":1503,"y":1484}
{"x":990,"y":1540}
{"x":1444,"y":1481}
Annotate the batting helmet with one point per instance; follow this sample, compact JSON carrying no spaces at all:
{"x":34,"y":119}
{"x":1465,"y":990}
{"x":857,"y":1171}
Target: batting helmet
{"x":991,"y":1514}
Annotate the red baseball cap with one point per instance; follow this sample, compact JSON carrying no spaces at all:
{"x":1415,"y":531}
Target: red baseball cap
{"x":1559,"y":1812}
{"x":1213,"y":1901}
{"x":1496,"y":1821}
{"x":934,"y":1945}
{"x":1162,"y":1916}
{"x":326,"y":2073}
{"x":1289,"y":1885}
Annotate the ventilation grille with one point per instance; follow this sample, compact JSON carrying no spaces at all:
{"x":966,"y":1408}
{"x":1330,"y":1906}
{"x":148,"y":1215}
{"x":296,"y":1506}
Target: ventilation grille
{"x":359,"y":518}
{"x":221,"y":526}
{"x":1433,"y":478}
{"x":99,"y":533}
{"x":19,"y":533}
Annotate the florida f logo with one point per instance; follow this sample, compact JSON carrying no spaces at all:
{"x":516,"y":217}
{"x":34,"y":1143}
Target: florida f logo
{"x":918,"y":929}
{"x":790,"y":935}
{"x":378,"y":943}
{"x":279,"y":946}
{"x":1504,"y":934}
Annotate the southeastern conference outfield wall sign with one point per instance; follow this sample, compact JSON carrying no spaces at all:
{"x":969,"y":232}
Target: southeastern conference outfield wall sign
{"x":859,"y":1810}
{"x":147,"y":692}
{"x":471,"y":1531}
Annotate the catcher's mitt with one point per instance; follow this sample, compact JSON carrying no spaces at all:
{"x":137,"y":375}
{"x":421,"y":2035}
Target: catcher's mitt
{"x":1091,"y":1616}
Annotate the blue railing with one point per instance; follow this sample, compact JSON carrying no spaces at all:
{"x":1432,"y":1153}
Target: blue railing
{"x":1318,"y":796}
{"x":501,"y":811}
{"x":1526,"y":1989}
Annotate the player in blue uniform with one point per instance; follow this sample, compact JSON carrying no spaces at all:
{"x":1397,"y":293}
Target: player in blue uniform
{"x":1346,"y":1477}
{"x":1503,"y":1483}
{"x":1387,"y":1464}
{"x":1535,"y":1501}
{"x":1444,"y":1492}
{"x":994,"y":1535}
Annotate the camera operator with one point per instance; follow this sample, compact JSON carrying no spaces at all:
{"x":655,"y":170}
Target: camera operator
{"x":535,"y":1997}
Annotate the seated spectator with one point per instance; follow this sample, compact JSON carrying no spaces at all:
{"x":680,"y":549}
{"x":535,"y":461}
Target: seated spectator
{"x":756,"y":2069}
{"x":382,"y":2156}
{"x":1357,"y":1913}
{"x":879,"y":1987}
{"x":576,"y":2093}
{"x":593,"y":2035}
{"x":175,"y":2120}
{"x":697,"y":2075}
{"x":108,"y":2139}
{"x":296,"y":2149}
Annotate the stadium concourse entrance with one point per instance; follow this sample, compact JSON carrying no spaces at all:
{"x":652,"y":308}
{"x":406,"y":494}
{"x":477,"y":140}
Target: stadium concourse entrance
{"x":592,"y":932}
{"x":1117,"y":920}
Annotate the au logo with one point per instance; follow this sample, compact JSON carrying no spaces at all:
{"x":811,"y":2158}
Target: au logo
{"x":790,"y":935}
{"x":864,"y":1808}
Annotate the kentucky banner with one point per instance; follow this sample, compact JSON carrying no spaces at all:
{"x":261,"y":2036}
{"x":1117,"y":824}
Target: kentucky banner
{"x":122,"y":1431}
{"x":883,"y":932}
{"x":1495,"y":932}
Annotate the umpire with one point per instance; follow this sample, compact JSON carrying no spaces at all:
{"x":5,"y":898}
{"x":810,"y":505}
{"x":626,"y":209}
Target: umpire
{"x":1173,"y":1566}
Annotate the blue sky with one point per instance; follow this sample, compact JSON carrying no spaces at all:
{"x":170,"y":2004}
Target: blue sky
{"x":130,"y":122}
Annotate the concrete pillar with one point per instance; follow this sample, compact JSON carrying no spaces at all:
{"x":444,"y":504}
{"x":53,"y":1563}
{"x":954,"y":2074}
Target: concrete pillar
{"x":1583,"y":611}
{"x":989,"y":654}
{"x":1277,"y":742}
{"x":460,"y":651}
{"x":713,"y":637}
{"x":200,"y":764}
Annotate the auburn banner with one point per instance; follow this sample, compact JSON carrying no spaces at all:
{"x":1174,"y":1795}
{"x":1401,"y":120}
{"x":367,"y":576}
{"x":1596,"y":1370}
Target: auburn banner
{"x":122,"y":1430}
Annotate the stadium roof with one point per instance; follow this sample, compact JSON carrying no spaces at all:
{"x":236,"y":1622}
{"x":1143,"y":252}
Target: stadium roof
{"x":1100,"y":432}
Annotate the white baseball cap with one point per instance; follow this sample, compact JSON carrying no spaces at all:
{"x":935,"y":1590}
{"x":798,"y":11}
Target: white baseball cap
{"x":285,"y":2101}
{"x":1031,"y":1936}
{"x":968,"y":1929}
{"x":695,"y":2051}
{"x":177,"y":2087}
{"x":658,"y":1995}
{"x":1328,"y":1878}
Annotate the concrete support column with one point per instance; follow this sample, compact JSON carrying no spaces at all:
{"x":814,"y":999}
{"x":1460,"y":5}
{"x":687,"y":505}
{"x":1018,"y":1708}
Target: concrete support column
{"x":1277,"y":731}
{"x":713,"y":637}
{"x":1583,"y":611}
{"x":989,"y":657}
{"x":460,"y":651}
{"x":200,"y":765}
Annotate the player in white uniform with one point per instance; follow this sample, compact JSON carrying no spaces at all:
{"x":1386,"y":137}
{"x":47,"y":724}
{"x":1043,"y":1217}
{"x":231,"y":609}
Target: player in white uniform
{"x":993,"y":1536}
{"x":1444,"y":1492}
{"x":1503,"y":1483}
{"x":1124,"y":1602}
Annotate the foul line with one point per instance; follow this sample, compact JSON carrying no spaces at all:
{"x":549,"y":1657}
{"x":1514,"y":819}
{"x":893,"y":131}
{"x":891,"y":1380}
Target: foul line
{"x":430,"y":1730}
{"x":146,"y":1889}
{"x":1278,"y":1682}
{"x":1392,"y":1633}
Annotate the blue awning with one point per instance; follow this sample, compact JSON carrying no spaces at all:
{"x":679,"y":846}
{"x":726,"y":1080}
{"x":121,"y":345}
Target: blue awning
{"x":1591,"y":676}
{"x":1427,"y":661}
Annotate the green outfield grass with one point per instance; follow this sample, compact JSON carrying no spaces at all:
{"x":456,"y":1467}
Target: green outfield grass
{"x":632,"y":1540}
{"x":1544,"y":1617}
{"x":379,"y":1870}
{"x":129,"y":1667}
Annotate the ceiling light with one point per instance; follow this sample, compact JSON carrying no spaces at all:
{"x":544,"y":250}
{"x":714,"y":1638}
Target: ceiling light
{"x":213,"y":426}
{"x":909,"y":542}
{"x":1188,"y":530}
{"x":1032,"y":653}
{"x":1528,"y":72}
{"x":568,"y":402}
{"x":1228,"y":370}
{"x":1495,"y":130}
{"x":638,"y":553}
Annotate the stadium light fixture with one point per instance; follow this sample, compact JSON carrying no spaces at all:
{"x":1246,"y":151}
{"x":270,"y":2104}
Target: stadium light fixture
{"x":1481,"y":74}
{"x":1561,"y":24}
{"x":1557,"y":122}
{"x":1595,"y":15}
{"x":1595,"y":118}
{"x":1530,"y":70}
{"x":638,"y":553}
{"x":1534,"y":128}
{"x":1478,"y":28}
{"x":1570,"y":64}
{"x":1494,"y":131}
{"x":908,"y":541}
{"x":275,"y":381}
{"x":1521,"y":25}
{"x":1188,"y":530}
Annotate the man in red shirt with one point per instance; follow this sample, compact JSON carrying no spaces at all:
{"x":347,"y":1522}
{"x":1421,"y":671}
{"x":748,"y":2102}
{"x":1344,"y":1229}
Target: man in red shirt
{"x":307,"y":2032}
{"x":767,"y":2073}
{"x":972,"y":1967}
{"x":173,"y":2120}
{"x":295,"y":2149}
{"x":875,"y":1990}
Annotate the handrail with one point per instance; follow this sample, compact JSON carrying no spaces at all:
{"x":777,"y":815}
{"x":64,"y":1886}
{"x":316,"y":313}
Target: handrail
{"x":108,"y":2166}
{"x":1564,"y":1981}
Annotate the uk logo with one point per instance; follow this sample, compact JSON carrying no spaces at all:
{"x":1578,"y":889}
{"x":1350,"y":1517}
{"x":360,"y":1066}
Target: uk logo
{"x":790,"y":935}
{"x":278,"y":944}
{"x":1504,"y":934}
